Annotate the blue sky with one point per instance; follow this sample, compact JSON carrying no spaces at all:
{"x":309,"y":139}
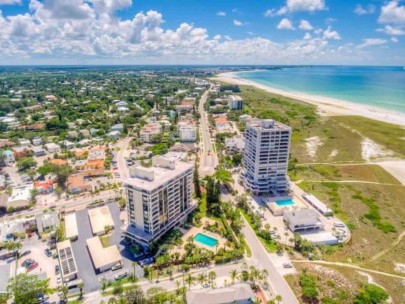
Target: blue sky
{"x":202,"y":32}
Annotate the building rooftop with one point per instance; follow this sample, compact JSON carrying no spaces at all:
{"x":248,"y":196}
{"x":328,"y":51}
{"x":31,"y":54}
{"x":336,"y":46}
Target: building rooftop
{"x":238,"y":293}
{"x":267,"y":124}
{"x":164,"y":169}
{"x":71,"y":230}
{"x":66,"y":258}
{"x":302,"y":217}
{"x":100,"y":218}
{"x":102,"y":256}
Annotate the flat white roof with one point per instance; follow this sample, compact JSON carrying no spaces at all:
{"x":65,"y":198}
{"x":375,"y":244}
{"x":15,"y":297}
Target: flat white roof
{"x":161,"y":176}
{"x":102,"y":256}
{"x":100,"y":218}
{"x":71,"y":225}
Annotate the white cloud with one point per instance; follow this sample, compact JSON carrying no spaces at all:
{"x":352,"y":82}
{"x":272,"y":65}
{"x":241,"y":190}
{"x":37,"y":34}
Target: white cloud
{"x":305,"y":5}
{"x":9,"y":2}
{"x":392,"y":13}
{"x":360,"y":10}
{"x":273,"y":12}
{"x":394,"y":39}
{"x":371,"y":42}
{"x":217,"y":37}
{"x":392,"y":31}
{"x":237,"y":22}
{"x":285,"y":24}
{"x":329,"y":34}
{"x":307,"y":36}
{"x":221,"y":14}
{"x":305,"y":25}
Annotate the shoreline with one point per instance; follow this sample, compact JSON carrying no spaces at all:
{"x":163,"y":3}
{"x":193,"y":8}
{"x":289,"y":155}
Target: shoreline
{"x":326,"y":106}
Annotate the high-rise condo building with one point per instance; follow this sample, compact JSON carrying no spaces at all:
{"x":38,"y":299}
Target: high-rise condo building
{"x":265,"y":161}
{"x":159,"y":198}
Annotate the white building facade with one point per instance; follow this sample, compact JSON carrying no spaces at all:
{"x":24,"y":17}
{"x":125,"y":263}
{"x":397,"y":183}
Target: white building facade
{"x":159,"y":198}
{"x":265,"y":161}
{"x":187,"y":131}
{"x":235,"y":102}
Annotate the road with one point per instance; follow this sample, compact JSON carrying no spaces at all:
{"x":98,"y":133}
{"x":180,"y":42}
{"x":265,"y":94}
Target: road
{"x":121,"y":163}
{"x":208,"y":158}
{"x":261,"y":259}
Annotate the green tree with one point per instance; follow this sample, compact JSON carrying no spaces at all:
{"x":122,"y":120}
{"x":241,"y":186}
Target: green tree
{"x":62,"y":173}
{"x":81,"y":286}
{"x":371,"y":294}
{"x":134,"y":295}
{"x":26,"y":163}
{"x":26,"y":288}
{"x":196,"y":180}
{"x":224,"y":176}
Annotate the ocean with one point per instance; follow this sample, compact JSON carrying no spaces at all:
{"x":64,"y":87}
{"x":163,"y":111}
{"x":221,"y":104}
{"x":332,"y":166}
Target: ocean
{"x":382,"y":87}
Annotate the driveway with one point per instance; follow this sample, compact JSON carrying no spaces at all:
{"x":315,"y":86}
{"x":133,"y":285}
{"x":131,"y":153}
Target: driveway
{"x":86,"y":271}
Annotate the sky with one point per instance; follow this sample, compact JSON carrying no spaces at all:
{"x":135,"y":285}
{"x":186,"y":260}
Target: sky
{"x":347,"y":32}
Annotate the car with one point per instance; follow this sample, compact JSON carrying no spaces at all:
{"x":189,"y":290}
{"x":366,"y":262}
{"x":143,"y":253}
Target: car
{"x":27,"y":262}
{"x":120,"y":276}
{"x":287,"y":265}
{"x":57,"y":269}
{"x":116,"y":267}
{"x":339,"y":224}
{"x":58,"y":279}
{"x":48,"y":252}
{"x":32,"y":266}
{"x":55,"y":255}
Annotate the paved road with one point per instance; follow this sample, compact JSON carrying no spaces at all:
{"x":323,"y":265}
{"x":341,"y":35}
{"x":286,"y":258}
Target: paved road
{"x":261,"y":259}
{"x":121,"y":163}
{"x":209,"y":159}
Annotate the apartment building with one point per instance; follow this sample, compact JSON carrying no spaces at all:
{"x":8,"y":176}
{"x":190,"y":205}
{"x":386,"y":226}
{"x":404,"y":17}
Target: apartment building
{"x":149,"y":131}
{"x":187,"y":131}
{"x":159,"y":198}
{"x":235,"y":102}
{"x":265,"y":161}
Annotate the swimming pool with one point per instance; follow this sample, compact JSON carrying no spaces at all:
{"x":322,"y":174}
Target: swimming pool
{"x":285,"y":202}
{"x":206,"y":240}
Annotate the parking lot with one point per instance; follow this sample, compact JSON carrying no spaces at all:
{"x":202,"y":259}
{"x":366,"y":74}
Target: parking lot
{"x":45,"y":264}
{"x":86,"y":270}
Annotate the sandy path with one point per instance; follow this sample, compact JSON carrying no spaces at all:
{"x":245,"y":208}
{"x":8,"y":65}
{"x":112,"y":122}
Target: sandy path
{"x":396,"y":168}
{"x":326,"y":106}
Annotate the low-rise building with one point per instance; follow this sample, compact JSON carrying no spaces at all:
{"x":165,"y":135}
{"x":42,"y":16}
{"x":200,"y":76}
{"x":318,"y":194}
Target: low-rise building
{"x":187,"y":131}
{"x":117,"y":127}
{"x":96,"y":157}
{"x":24,"y":142}
{"x":20,"y":197}
{"x":103,"y":257}
{"x":85,"y":133}
{"x":100,"y":218}
{"x":149,"y":132}
{"x":52,"y":148}
{"x":71,"y":230}
{"x":67,"y":261}
{"x":234,"y":145}
{"x":302,"y":220}
{"x":114,"y":134}
{"x":76,"y":183}
{"x":47,"y":221}
{"x":21,"y":151}
{"x":44,"y":187}
{"x":68,"y":144}
{"x":9,"y":157}
{"x":37,"y":141}
{"x":235,"y":102}
{"x":240,"y":293}
{"x":38,"y":151}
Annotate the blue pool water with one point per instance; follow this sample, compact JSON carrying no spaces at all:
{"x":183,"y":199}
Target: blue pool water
{"x":206,"y":240}
{"x":286,"y":202}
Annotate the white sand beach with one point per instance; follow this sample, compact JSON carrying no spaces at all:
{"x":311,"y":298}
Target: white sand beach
{"x":326,"y":106}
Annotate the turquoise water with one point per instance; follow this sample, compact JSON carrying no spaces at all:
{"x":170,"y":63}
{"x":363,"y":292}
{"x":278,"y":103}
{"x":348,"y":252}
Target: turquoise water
{"x":206,"y":240}
{"x":286,"y":202}
{"x":382,"y":87}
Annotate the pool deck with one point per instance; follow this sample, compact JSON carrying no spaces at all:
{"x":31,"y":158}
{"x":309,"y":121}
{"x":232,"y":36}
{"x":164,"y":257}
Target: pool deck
{"x":194,"y":231}
{"x":278,"y":210}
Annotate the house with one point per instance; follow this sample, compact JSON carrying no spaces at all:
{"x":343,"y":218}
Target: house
{"x":58,"y":162}
{"x":100,"y":218}
{"x":245,"y":118}
{"x":72,"y":134}
{"x":20,"y":152}
{"x":20,"y":198}
{"x":52,"y":148}
{"x":85,"y":133}
{"x":38,"y":151}
{"x":76,"y":183}
{"x":222,"y":124}
{"x":24,"y":142}
{"x":122,"y":103}
{"x":68,"y":144}
{"x":8,"y":157}
{"x":44,"y":187}
{"x":96,"y":157}
{"x":122,"y":109}
{"x":182,"y":147}
{"x":80,"y":164}
{"x":35,"y":127}
{"x":149,"y":131}
{"x":117,"y":127}
{"x":37,"y":141}
{"x":47,"y":221}
{"x":114,"y":134}
{"x":303,"y":220}
{"x":234,"y":145}
{"x":50,"y":97}
{"x":184,"y":108}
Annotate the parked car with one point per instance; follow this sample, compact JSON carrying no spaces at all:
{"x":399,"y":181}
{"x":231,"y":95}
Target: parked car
{"x":146,"y":261}
{"x":287,"y":265}
{"x":120,"y":276}
{"x":48,"y":252}
{"x":116,"y":267}
{"x":27,"y":262}
{"x":32,"y":266}
{"x":339,"y":224}
{"x":57,"y":269}
{"x":55,"y":255}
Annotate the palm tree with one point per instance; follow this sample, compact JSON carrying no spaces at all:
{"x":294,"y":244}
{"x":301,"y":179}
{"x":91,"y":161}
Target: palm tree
{"x":64,"y":290}
{"x":134,"y":268}
{"x":103,"y":284}
{"x":212,"y":276}
{"x":234,"y":275}
{"x":177,"y":287}
{"x":201,"y":278}
{"x":189,"y":280}
{"x":279,"y":298}
{"x":81,"y":286}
